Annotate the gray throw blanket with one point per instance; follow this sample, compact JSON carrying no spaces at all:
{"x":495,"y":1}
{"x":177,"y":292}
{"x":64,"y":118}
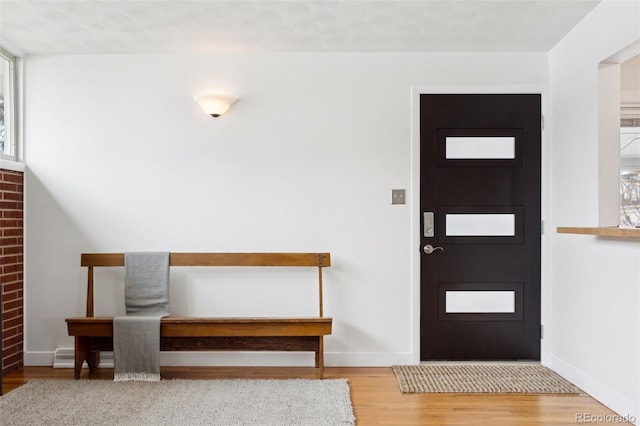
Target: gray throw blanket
{"x":136,"y":336}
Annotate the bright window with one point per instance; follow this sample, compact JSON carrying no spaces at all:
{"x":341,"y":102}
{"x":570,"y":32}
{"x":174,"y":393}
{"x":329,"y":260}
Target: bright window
{"x":630,"y":174}
{"x":630,"y":143}
{"x":7,"y":106}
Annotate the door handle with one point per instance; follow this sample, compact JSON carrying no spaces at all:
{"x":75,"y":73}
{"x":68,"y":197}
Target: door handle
{"x":428,"y":249}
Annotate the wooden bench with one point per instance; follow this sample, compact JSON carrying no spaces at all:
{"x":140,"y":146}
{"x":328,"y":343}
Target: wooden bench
{"x":94,"y":334}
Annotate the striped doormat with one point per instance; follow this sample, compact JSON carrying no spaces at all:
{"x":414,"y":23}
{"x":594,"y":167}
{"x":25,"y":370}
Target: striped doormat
{"x":481,"y":378}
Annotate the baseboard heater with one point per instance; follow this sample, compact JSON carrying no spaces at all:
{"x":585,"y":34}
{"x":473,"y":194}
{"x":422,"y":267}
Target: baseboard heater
{"x":64,"y":358}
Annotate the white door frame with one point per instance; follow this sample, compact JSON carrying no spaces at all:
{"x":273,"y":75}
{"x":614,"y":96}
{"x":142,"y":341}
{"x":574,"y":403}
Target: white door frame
{"x":414,"y":204}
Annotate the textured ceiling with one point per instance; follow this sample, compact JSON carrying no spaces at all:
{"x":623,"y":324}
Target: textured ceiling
{"x":115,"y":26}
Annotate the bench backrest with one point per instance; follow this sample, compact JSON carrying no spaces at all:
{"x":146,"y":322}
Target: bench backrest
{"x":319,"y":260}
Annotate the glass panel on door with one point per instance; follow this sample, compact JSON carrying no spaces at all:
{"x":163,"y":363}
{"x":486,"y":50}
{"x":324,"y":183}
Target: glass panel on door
{"x":480,"y":225}
{"x":476,"y":302}
{"x":478,"y":147}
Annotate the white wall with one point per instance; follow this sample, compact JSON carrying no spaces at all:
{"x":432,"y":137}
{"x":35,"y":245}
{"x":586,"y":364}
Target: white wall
{"x":595,"y":282}
{"x":121,"y":158}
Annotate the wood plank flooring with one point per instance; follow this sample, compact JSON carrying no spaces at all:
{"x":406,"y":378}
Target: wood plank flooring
{"x":377,"y":399}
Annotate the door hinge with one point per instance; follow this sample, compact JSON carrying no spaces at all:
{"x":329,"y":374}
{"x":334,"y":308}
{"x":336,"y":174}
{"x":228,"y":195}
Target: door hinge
{"x":542,"y":122}
{"x":542,"y":227}
{"x":541,"y":331}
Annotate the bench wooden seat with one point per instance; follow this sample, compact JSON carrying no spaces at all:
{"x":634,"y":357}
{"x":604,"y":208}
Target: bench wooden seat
{"x":95,"y":334}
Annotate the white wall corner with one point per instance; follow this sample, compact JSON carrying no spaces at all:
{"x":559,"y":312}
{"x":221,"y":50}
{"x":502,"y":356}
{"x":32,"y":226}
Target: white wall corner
{"x":619,"y":403}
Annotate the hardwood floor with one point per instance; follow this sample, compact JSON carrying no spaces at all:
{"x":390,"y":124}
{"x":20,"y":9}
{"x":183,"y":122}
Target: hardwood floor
{"x":377,"y":399}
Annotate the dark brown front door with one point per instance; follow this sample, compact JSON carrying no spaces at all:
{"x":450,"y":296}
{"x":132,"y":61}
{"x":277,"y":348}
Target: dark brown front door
{"x":480,"y":205}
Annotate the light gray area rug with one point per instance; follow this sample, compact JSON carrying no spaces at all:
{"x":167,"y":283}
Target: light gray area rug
{"x":481,"y":378}
{"x":179,"y":402}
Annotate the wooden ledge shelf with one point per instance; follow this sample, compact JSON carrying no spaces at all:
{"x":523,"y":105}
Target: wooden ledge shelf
{"x":601,"y":231}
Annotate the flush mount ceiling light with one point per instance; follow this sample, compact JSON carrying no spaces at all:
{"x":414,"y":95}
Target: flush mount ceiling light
{"x":215,"y":104}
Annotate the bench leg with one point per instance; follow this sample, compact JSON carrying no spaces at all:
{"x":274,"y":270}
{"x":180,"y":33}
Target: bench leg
{"x":320,"y":357}
{"x":93,"y":360}
{"x":81,"y":354}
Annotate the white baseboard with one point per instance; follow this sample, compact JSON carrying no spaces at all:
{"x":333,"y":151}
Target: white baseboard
{"x":368,"y":359}
{"x":235,"y":358}
{"x":38,"y":358}
{"x":621,"y":404}
{"x":283,"y":359}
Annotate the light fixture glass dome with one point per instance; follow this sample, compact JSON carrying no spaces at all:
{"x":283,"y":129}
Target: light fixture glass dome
{"x":215,"y":104}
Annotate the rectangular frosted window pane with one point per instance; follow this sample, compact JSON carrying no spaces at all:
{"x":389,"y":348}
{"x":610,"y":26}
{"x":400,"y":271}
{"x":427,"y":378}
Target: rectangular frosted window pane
{"x":481,"y":302}
{"x":481,"y":225}
{"x":480,"y":148}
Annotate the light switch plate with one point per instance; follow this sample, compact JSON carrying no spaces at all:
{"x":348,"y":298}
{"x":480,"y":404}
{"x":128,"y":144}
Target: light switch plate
{"x":398,"y":196}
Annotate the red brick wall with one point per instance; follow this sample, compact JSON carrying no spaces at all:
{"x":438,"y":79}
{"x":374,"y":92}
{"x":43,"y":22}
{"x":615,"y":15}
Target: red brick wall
{"x":11,"y":269}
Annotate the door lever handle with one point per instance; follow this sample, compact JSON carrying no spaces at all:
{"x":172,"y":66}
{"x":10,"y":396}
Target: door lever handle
{"x":428,"y":249}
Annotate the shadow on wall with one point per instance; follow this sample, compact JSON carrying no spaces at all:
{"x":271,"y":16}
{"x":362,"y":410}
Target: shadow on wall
{"x":55,"y":285}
